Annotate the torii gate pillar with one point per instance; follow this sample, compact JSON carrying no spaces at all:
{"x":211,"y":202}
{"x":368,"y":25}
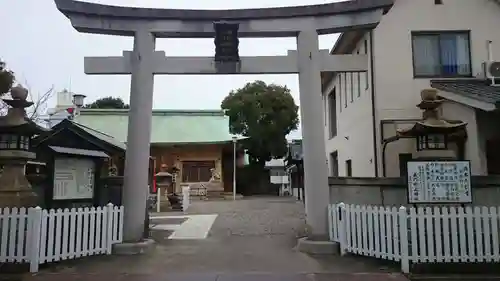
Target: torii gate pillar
{"x":317,"y":192}
{"x":139,"y":135}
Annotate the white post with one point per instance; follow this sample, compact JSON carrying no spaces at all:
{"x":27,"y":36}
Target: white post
{"x":34,"y":234}
{"x":158,"y":199}
{"x":342,"y":227}
{"x":110,"y":227}
{"x":186,"y":197}
{"x":403,"y":237}
{"x":135,"y":191}
{"x":234,"y":168}
{"x":317,"y":195}
{"x":332,"y":222}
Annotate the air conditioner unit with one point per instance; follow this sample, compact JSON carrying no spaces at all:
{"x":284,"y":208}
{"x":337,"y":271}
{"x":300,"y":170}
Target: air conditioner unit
{"x":492,"y":71}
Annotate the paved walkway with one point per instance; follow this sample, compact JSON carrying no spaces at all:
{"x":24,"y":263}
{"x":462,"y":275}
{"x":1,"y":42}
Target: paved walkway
{"x":226,"y":240}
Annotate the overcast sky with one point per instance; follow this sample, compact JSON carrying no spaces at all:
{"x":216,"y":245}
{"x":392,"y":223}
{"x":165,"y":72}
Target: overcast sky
{"x":41,"y":47}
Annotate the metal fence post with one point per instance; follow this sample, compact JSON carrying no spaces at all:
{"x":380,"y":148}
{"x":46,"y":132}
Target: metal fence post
{"x":34,"y":233}
{"x":403,"y":236}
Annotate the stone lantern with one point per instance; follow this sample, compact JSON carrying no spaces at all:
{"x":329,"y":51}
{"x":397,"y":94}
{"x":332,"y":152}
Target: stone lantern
{"x":164,"y":180}
{"x":15,"y":144}
{"x":433,"y":133}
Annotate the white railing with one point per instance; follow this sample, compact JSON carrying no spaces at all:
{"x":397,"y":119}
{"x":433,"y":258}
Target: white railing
{"x":417,"y":235}
{"x":40,"y":236}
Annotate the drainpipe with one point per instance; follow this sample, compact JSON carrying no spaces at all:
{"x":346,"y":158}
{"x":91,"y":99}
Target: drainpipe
{"x":374,"y":119}
{"x":384,"y":147}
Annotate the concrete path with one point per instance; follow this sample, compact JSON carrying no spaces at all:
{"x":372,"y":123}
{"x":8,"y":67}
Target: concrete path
{"x":226,"y":240}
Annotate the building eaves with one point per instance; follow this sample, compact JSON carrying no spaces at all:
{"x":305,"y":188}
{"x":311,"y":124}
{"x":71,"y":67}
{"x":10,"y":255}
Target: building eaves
{"x":475,"y":89}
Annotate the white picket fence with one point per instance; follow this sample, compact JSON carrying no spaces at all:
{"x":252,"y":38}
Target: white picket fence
{"x":417,"y":235}
{"x":38,"y":236}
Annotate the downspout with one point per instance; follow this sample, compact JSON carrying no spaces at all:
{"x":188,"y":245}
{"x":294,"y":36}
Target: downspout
{"x":374,"y":119}
{"x":384,"y":147}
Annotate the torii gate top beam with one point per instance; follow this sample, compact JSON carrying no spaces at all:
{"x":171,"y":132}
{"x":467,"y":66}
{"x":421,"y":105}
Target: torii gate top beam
{"x":266,"y":22}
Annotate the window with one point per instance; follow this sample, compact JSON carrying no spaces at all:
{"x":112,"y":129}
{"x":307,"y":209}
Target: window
{"x":197,"y":171}
{"x":366,"y":72}
{"x":348,"y":168}
{"x":277,"y":173}
{"x":334,"y":164}
{"x":25,"y":143}
{"x":345,"y":88}
{"x":444,"y":54}
{"x":13,"y":141}
{"x":340,"y":90}
{"x":352,"y":86}
{"x":325,"y":108}
{"x":359,"y":80}
{"x":332,"y":106}
{"x":4,"y":141}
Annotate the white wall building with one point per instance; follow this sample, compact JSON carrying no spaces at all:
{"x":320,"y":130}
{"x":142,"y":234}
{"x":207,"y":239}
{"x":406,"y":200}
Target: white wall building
{"x":417,"y":45}
{"x":60,"y":111}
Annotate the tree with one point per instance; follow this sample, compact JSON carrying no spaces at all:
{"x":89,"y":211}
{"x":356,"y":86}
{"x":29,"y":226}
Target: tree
{"x":7,"y":80}
{"x":265,"y":114}
{"x":39,"y":107}
{"x":108,"y":103}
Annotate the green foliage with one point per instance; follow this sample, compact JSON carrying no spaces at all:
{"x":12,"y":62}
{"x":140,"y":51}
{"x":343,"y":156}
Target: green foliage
{"x":265,"y":114}
{"x":7,"y":79}
{"x":108,"y":103}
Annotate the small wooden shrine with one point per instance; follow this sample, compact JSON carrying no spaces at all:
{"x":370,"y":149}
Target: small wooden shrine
{"x":77,"y":159}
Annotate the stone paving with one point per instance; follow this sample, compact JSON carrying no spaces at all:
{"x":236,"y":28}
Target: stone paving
{"x":249,"y":236}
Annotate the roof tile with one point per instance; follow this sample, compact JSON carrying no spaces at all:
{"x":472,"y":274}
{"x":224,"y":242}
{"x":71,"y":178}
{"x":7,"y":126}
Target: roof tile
{"x":481,"y":90}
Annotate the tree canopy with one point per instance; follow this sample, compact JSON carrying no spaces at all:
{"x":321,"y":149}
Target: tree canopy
{"x":108,"y":103}
{"x":7,"y":79}
{"x":265,"y":114}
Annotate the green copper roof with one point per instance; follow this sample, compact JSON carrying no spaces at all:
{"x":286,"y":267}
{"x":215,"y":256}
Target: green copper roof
{"x":102,"y":136}
{"x":168,"y":126}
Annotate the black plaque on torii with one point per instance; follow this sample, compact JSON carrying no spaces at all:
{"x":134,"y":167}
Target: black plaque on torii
{"x":227,"y":58}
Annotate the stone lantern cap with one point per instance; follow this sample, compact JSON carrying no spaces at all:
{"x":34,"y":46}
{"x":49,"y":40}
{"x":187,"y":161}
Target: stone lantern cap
{"x":432,"y":122}
{"x":19,"y":95}
{"x":28,"y":129}
{"x":16,"y":122}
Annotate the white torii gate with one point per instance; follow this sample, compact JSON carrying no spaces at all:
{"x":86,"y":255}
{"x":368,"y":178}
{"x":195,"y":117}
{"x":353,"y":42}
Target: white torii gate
{"x":303,"y":22}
